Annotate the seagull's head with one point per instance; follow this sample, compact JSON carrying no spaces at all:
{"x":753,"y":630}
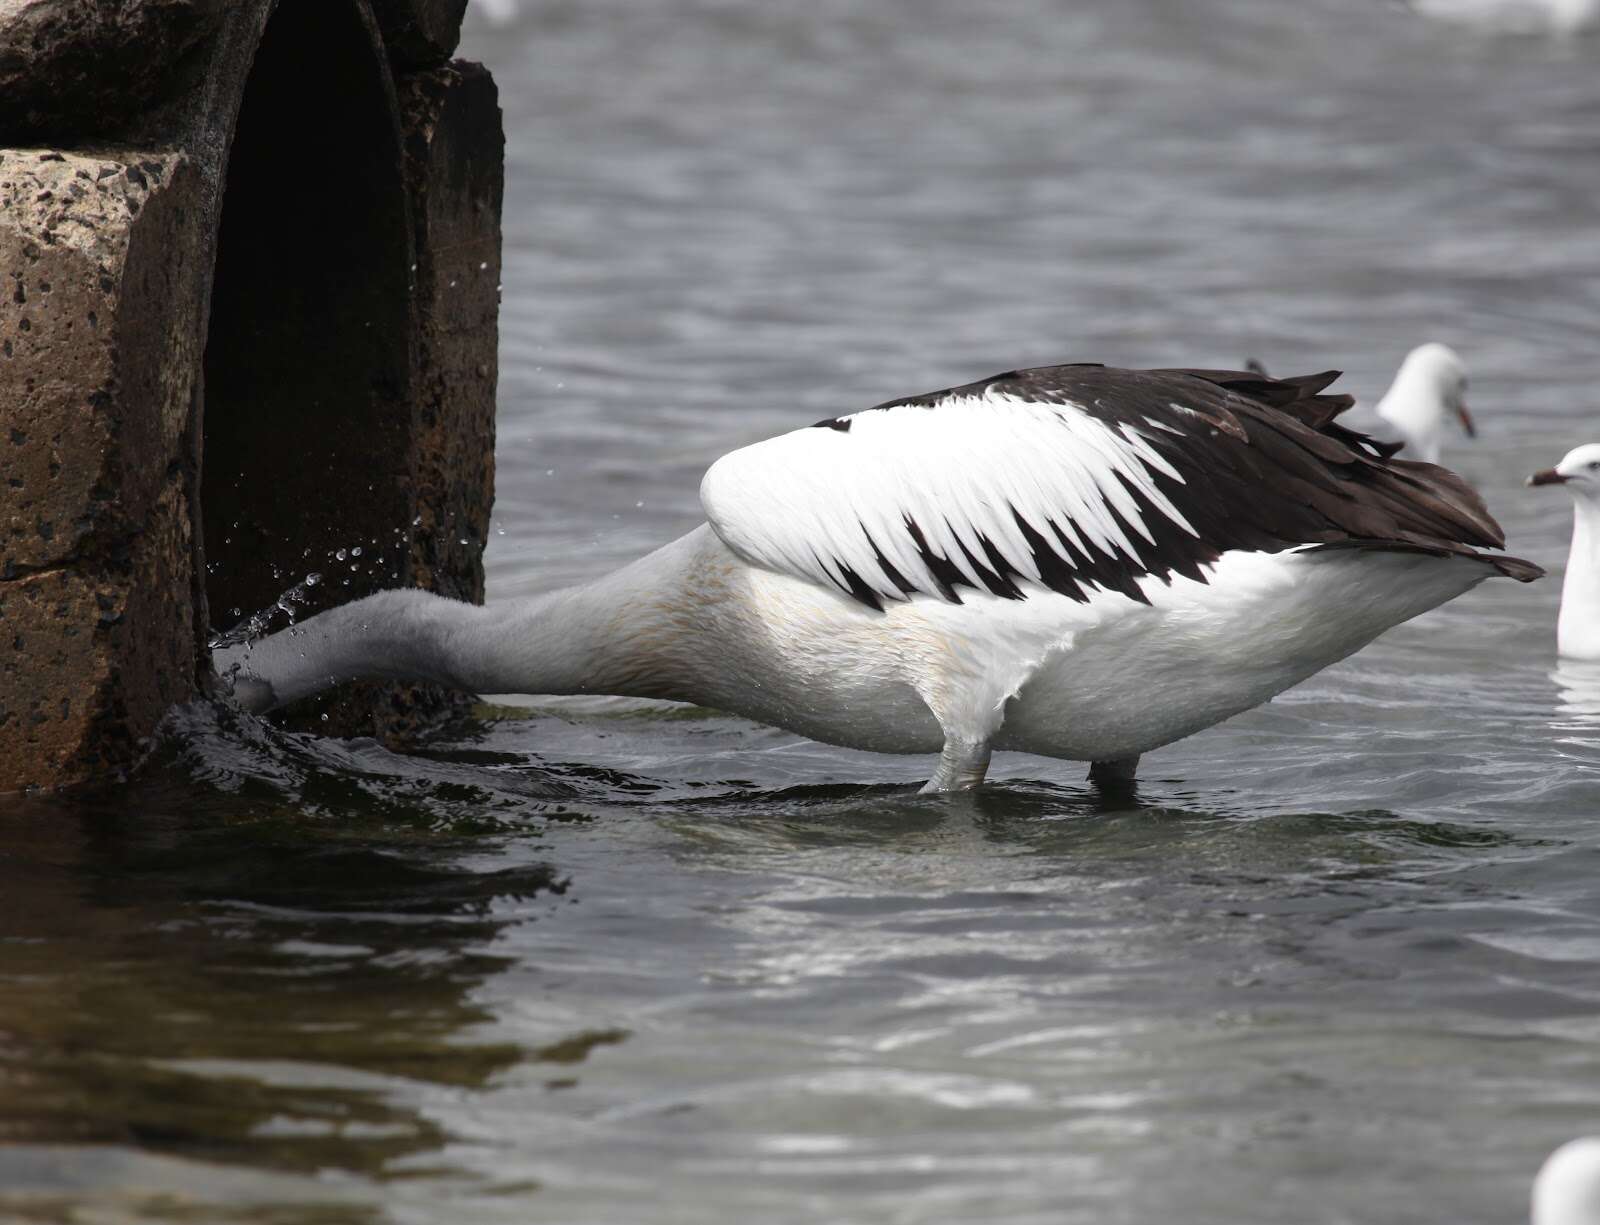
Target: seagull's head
{"x":1579,"y":471}
{"x":1567,"y":1190}
{"x":1439,"y":370}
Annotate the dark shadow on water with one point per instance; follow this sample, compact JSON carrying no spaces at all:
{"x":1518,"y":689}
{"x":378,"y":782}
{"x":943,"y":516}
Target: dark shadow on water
{"x":303,"y":777}
{"x":194,"y":967}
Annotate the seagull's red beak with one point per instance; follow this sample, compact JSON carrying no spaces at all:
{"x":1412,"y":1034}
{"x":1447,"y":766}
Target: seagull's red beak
{"x":1547,"y":476}
{"x":1466,"y":419}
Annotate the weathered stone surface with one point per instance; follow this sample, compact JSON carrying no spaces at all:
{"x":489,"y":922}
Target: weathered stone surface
{"x":99,"y":349}
{"x":98,"y":346}
{"x":92,"y":655}
{"x":454,"y":172}
{"x":76,"y":68}
{"x":54,"y":666}
{"x":420,"y":33}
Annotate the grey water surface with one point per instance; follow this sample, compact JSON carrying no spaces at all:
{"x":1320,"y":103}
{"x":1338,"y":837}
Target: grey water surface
{"x":1337,"y":960}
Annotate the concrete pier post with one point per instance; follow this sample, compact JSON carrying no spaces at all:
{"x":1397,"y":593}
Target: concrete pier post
{"x":249,"y":269}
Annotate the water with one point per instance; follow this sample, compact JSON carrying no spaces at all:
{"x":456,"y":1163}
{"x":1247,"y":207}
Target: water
{"x":1337,"y":961}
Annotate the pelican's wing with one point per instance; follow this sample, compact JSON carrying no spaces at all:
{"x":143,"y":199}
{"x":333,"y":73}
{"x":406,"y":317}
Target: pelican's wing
{"x":1074,"y":478}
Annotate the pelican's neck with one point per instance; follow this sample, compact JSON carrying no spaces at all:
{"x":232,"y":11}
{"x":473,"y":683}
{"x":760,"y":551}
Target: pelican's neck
{"x":1578,"y":627}
{"x":634,"y":632}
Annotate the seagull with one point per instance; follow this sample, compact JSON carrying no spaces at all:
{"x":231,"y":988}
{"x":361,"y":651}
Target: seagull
{"x":1075,"y":561}
{"x":1560,"y":17}
{"x":1578,"y":625}
{"x":1429,"y":388}
{"x":1567,"y":1188}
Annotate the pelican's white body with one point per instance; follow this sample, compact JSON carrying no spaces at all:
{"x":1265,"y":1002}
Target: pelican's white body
{"x":1101,"y":680}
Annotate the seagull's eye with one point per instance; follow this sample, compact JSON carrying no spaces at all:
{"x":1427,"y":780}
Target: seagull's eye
{"x":1594,"y":465}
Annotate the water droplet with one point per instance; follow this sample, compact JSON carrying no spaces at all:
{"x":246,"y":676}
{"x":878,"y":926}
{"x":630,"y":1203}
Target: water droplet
{"x":324,"y":718}
{"x":638,"y":506}
{"x":356,"y":552}
{"x":313,"y":579}
{"x":483,"y":265}
{"x":463,"y":540}
{"x":499,"y":531}
{"x":235,"y":612}
{"x":338,"y":555}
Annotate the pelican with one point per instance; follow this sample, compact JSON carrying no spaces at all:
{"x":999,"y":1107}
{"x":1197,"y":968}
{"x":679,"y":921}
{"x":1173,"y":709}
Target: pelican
{"x":1578,"y":625}
{"x":1429,"y":388}
{"x":1075,"y":561}
{"x":1567,"y":1189}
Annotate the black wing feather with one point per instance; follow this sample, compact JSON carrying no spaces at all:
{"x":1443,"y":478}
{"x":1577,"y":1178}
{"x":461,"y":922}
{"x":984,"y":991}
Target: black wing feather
{"x":1264,"y":466}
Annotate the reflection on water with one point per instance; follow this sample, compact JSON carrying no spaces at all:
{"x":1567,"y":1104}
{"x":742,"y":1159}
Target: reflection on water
{"x":1578,"y":694}
{"x":273,"y":966}
{"x":1335,"y":960}
{"x":250,"y":1004}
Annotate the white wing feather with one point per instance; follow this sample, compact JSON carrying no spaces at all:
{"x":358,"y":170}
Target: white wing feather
{"x":813,"y":501}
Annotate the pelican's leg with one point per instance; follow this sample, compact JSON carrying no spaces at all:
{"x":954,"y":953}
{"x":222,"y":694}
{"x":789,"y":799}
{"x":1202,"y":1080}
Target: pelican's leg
{"x":1117,"y":770}
{"x":962,"y":766}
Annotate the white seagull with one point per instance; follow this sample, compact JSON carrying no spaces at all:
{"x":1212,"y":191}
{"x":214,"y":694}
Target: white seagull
{"x":1578,"y":625}
{"x":1567,"y":1189}
{"x":1428,"y":390}
{"x":1559,"y":17}
{"x":1075,"y":561}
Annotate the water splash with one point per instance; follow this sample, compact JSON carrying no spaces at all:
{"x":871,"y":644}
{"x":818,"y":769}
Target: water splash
{"x":286,"y":609}
{"x":264,"y":621}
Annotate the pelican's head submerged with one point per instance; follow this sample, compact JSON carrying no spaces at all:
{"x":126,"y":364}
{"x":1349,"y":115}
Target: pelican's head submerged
{"x":1428,"y":390}
{"x":1579,"y":471}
